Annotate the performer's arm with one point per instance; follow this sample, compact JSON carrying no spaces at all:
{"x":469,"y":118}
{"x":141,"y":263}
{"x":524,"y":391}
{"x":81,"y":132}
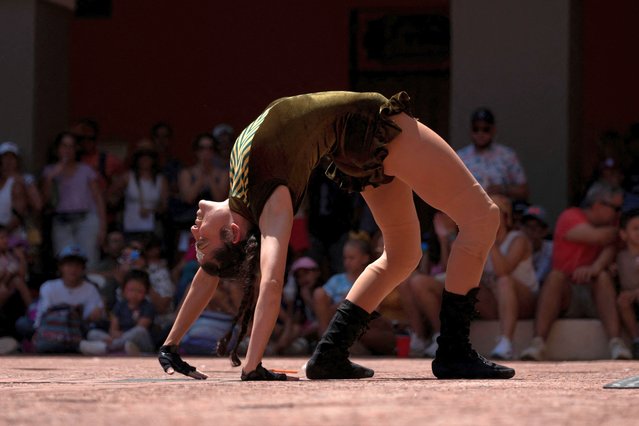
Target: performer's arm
{"x":201,"y":291}
{"x":275,"y":225}
{"x":199,"y":294}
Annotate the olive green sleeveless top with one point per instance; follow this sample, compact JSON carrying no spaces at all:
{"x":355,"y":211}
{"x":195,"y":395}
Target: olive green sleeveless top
{"x":288,"y":140}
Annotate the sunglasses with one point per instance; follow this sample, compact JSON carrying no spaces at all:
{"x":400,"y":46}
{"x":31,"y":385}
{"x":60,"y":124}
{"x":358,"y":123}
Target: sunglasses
{"x":482,"y":129}
{"x":615,"y":207}
{"x":81,"y":138}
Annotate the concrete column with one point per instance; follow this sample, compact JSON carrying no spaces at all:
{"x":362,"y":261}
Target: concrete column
{"x":17,"y":56}
{"x":34,"y":45}
{"x":515,"y":58}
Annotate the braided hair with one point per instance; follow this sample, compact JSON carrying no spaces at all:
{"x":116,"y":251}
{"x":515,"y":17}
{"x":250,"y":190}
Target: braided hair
{"x":241,"y":262}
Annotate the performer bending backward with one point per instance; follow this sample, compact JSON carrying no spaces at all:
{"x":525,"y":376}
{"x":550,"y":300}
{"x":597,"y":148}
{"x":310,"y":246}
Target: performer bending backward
{"x":374,"y":146}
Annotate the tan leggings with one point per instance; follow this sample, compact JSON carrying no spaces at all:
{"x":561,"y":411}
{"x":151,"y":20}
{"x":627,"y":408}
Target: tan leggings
{"x":423,"y":162}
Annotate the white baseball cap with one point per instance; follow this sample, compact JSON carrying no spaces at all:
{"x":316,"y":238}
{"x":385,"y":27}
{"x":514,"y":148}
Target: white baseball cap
{"x":9,"y":146}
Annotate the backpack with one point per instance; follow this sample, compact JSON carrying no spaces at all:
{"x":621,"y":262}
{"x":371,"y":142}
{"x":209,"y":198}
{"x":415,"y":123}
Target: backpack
{"x":60,"y":329}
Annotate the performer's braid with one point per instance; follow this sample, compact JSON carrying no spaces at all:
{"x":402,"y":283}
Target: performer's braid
{"x":248,"y":272}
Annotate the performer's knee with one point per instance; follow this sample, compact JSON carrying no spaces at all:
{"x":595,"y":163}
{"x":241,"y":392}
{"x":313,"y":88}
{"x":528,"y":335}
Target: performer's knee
{"x":402,"y":263}
{"x":482,"y":229}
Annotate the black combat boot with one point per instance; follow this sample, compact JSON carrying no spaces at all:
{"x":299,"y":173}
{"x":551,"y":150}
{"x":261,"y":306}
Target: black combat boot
{"x":330,"y":359}
{"x":456,"y":359}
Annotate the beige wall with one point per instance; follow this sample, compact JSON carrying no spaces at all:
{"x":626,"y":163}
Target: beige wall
{"x":514,"y":57}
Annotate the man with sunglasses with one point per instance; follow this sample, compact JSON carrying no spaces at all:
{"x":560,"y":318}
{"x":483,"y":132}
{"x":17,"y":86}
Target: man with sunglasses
{"x":580,"y":284}
{"x":496,"y":167}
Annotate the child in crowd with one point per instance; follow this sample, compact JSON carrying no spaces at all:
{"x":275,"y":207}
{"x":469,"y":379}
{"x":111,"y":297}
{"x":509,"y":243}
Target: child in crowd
{"x":14,"y":294}
{"x":162,"y":287}
{"x":56,"y":325}
{"x":380,"y":338}
{"x":297,"y":323}
{"x":534,"y":223}
{"x":12,"y":270}
{"x":356,"y":254}
{"x":131,"y":319}
{"x":628,"y":269}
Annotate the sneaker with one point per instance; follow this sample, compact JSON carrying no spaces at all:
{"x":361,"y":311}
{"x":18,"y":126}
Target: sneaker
{"x":297,"y":347}
{"x":417,"y":345}
{"x":503,"y":350}
{"x":8,"y":345}
{"x":431,"y":350}
{"x":95,"y":334}
{"x":635,"y":349}
{"x":536,"y":350}
{"x":93,"y":347}
{"x":618,"y":349}
{"x":131,"y":349}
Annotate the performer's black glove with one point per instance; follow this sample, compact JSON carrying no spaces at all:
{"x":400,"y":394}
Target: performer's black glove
{"x":171,"y":362}
{"x":261,"y":373}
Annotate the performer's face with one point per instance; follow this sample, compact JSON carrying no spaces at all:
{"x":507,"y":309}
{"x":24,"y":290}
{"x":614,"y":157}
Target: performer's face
{"x":211,"y":220}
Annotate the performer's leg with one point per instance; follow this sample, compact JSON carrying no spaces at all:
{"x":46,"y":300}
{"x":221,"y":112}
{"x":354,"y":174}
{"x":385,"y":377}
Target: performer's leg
{"x":394,"y":211}
{"x":393,"y":208}
{"x":423,"y":160}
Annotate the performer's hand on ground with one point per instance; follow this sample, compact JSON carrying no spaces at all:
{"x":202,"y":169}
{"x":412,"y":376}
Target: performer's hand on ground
{"x":171,"y":362}
{"x":262,"y":374}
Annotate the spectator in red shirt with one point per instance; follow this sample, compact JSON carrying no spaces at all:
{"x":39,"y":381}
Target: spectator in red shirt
{"x":579,"y":284}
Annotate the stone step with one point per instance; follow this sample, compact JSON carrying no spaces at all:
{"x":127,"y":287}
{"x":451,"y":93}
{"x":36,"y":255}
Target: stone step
{"x":569,"y":339}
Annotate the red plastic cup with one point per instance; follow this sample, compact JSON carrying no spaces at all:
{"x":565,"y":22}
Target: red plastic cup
{"x":402,"y":345}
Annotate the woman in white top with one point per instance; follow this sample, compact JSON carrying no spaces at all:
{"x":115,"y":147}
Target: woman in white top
{"x":509,"y":286}
{"x":145,"y":192}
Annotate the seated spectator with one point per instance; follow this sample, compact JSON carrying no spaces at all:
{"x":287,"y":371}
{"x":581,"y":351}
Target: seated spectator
{"x":15,"y":297}
{"x":380,"y":338}
{"x":12,"y":192}
{"x":145,"y":192}
{"x":13,"y":270}
{"x":162,"y":288}
{"x":215,"y":322}
{"x":170,"y":166}
{"x":111,"y":251}
{"x":203,"y":180}
{"x":330,"y":213}
{"x":583,"y":249}
{"x":297,"y":323}
{"x":28,"y":213}
{"x":130,"y":321}
{"x":162,"y":137}
{"x":104,"y":164}
{"x":508,"y":288}
{"x":631,"y":169}
{"x":496,"y":167}
{"x":183,"y":272}
{"x":58,"y":301}
{"x":72,"y":189}
{"x":422,"y":292}
{"x":628,"y":270}
{"x":130,"y":258}
{"x":326,"y":299}
{"x":534,"y":223}
{"x":224,"y":136}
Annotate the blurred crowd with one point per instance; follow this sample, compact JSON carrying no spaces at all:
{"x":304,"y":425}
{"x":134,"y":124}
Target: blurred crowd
{"x":96,"y":253}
